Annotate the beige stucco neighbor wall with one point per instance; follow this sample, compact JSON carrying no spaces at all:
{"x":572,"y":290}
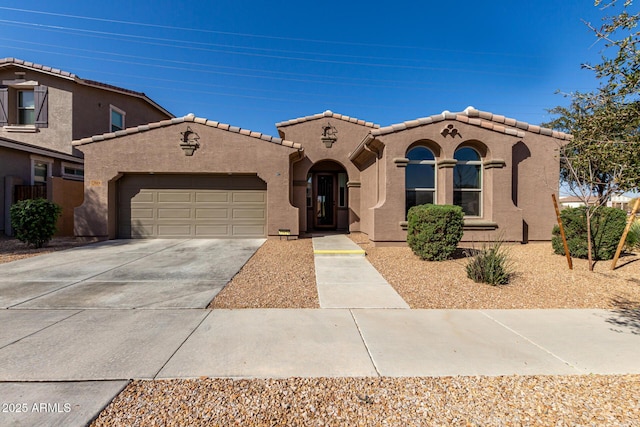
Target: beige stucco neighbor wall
{"x":518,"y":176}
{"x":158,"y":151}
{"x":309,"y":133}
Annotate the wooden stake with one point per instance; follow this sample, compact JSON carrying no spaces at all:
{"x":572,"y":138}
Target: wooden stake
{"x":630,"y":221}
{"x":564,"y":236}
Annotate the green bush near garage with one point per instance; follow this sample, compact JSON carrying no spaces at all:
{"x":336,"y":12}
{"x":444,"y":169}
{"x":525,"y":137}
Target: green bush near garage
{"x":434,"y":231}
{"x":34,"y":221}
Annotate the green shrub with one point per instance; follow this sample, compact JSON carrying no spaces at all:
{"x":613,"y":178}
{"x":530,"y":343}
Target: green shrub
{"x":434,"y":231}
{"x":491,"y":265}
{"x":34,"y":221}
{"x":633,"y":238}
{"x":607,"y":226}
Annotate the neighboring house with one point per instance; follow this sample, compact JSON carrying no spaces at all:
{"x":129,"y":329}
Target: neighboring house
{"x":575,"y":202}
{"x":192,"y":177}
{"x":42,"y":109}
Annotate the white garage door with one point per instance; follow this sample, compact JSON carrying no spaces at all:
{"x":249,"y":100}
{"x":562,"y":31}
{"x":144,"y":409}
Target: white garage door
{"x":191,"y":206}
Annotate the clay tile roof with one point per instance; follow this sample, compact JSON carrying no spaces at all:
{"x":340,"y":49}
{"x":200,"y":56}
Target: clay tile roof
{"x":484,"y":119}
{"x":190,"y":118}
{"x":326,"y":114}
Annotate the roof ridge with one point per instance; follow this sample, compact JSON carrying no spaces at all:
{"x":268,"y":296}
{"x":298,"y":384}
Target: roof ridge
{"x":11,"y":60}
{"x":189,"y":118}
{"x":77,"y":79}
{"x":475,"y":117}
{"x":327,"y":113}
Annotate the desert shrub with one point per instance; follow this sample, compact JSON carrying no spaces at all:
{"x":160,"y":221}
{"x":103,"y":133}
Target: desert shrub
{"x":607,"y":226}
{"x":434,"y":231}
{"x":34,"y":221}
{"x":491,"y":265}
{"x":633,"y":237}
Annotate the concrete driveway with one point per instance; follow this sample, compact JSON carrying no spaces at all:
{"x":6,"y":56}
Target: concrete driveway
{"x":121,"y":274}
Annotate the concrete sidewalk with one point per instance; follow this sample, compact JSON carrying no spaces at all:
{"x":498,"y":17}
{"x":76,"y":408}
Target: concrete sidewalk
{"x":70,"y":351}
{"x":345,"y":279}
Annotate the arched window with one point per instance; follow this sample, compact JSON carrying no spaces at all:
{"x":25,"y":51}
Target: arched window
{"x":467,"y":181}
{"x":420,"y":180}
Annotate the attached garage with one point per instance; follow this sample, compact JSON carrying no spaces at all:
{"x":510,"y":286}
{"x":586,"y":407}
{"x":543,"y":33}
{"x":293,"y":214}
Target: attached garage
{"x":191,"y":206}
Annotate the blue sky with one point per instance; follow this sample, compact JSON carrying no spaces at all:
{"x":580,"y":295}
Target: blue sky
{"x":254,"y":63}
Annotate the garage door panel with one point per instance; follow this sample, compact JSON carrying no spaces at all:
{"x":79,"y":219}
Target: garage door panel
{"x":212,"y":197}
{"x":144,"y":213}
{"x":174,"y":230}
{"x":174,"y":197}
{"x":249,"y":197}
{"x":217,"y":213}
{"x":248,"y":213}
{"x":248,"y":230}
{"x":143,"y":197}
{"x":221,"y":230}
{"x":173,"y":213}
{"x":138,"y":230}
{"x":191,"y":206}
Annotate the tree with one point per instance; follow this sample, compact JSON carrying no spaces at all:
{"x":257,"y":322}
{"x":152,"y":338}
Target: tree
{"x":603,"y":158}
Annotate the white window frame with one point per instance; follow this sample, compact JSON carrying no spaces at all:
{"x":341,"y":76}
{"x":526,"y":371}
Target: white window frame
{"x":75,"y":166}
{"x":39,"y":159}
{"x":479,"y":190}
{"x":19,"y":108}
{"x":112,"y":109}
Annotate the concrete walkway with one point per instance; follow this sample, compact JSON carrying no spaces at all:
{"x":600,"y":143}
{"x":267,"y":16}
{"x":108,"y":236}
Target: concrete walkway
{"x":345,"y":279}
{"x":64,"y":364}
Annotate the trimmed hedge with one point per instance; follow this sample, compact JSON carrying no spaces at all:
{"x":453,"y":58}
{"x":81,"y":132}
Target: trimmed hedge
{"x":607,"y":226}
{"x":434,"y":231}
{"x":34,"y":221}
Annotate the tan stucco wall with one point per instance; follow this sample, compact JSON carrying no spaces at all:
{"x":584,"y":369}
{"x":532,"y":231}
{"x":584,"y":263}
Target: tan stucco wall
{"x":92,"y":112}
{"x":158,"y":151}
{"x":309,"y":135}
{"x":537,"y":179}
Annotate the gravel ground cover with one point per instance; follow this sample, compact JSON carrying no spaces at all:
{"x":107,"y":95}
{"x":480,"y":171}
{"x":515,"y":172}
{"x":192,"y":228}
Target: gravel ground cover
{"x":457,"y":401}
{"x":12,"y":249}
{"x":541,"y":280}
{"x":281,"y":274}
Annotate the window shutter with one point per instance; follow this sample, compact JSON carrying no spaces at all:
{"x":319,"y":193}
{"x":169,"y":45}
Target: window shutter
{"x":41,"y":101}
{"x":4,"y":106}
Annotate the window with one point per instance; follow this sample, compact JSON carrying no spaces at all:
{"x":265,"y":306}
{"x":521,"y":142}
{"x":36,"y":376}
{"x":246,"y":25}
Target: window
{"x":342,"y":190}
{"x":23,"y":106}
{"x":72,"y":171}
{"x":26,"y":107}
{"x":467,"y":181}
{"x":40,"y":169}
{"x":117,"y":119}
{"x":420,"y":178}
{"x":309,"y":190}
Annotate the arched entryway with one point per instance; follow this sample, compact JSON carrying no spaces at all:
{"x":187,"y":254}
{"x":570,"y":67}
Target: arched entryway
{"x":327,"y":198}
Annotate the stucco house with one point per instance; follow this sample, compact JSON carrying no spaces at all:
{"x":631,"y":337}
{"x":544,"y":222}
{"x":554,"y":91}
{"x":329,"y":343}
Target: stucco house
{"x":193,"y":177}
{"x":42,"y":110}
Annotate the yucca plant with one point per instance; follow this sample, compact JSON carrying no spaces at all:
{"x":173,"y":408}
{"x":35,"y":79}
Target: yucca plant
{"x":492,"y":265}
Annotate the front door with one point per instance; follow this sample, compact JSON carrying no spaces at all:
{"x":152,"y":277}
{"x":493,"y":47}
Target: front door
{"x":324,"y":200}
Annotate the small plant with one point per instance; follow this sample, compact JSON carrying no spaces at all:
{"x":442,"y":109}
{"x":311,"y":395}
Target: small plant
{"x":491,"y":265}
{"x":34,"y":221}
{"x":434,"y":231}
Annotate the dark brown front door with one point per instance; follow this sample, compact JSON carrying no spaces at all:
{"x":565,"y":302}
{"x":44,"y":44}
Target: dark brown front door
{"x":324,"y":200}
